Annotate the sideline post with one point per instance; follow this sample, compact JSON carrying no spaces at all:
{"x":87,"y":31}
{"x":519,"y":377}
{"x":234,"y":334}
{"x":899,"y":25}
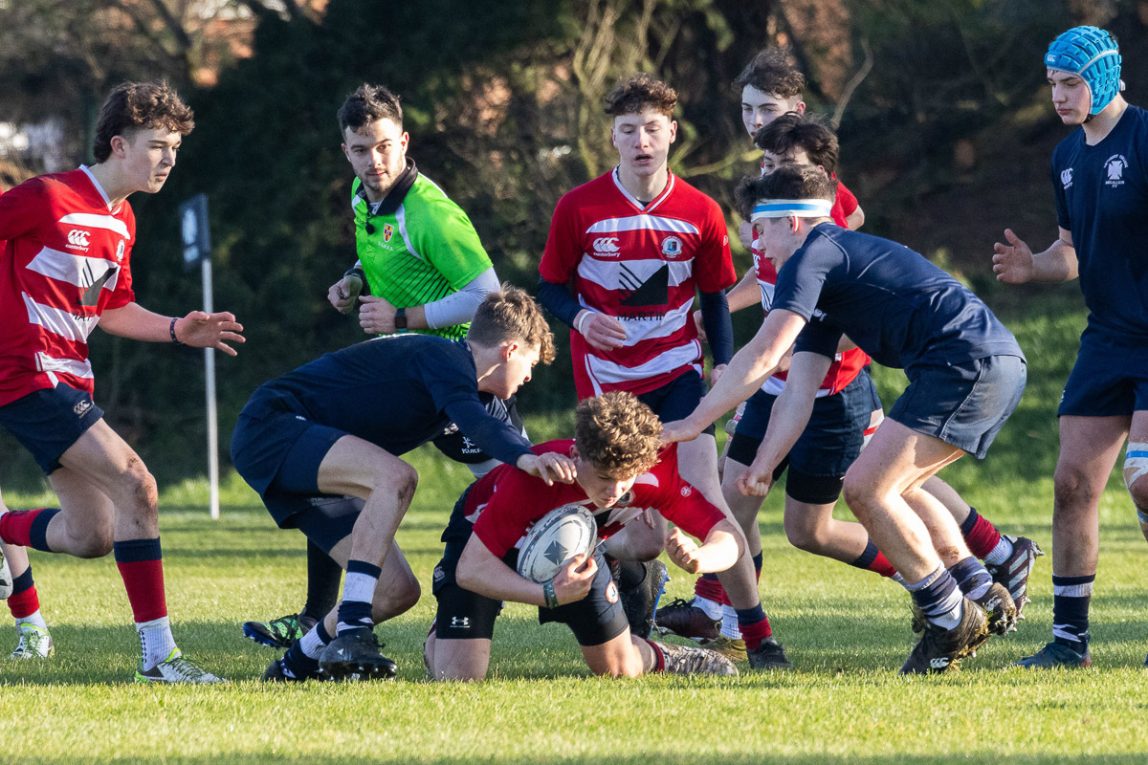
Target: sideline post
{"x":197,"y":250}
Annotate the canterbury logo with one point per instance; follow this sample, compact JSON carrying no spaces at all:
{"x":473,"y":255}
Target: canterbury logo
{"x":606,"y":244}
{"x":79,"y":237}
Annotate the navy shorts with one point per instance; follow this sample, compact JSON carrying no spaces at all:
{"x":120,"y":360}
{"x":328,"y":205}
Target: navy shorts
{"x":49,"y":421}
{"x":280,"y":450}
{"x":824,"y":450}
{"x":1110,"y":378}
{"x":677,"y":399}
{"x":964,"y":405}
{"x":465,"y":615}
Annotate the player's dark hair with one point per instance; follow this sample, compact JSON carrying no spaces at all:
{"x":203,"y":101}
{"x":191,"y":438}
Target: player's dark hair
{"x":133,"y":106}
{"x":786,"y":182}
{"x":770,"y":71}
{"x":793,"y":131}
{"x":641,"y":91}
{"x":617,"y":434}
{"x":511,"y":314}
{"x":367,"y":104}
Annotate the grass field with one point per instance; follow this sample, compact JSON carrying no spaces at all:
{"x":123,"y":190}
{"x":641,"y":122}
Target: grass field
{"x":846,"y":630}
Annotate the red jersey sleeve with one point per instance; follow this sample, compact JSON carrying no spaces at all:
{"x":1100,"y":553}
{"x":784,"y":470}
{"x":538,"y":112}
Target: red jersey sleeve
{"x":22,"y":209}
{"x":680,"y":502}
{"x":563,"y":244}
{"x":124,"y":293}
{"x":713,"y":269}
{"x":846,"y":201}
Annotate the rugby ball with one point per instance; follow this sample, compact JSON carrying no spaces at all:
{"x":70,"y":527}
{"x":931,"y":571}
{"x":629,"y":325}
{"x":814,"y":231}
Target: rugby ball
{"x":554,"y":539}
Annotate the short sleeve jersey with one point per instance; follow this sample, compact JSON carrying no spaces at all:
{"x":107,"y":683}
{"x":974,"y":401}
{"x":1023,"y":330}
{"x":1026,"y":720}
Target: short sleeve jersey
{"x":1102,"y":198}
{"x":65,"y":255}
{"x":846,"y":365}
{"x":395,"y":393}
{"x":893,"y":303}
{"x":505,"y":503}
{"x":419,"y":249}
{"x":643,"y":264}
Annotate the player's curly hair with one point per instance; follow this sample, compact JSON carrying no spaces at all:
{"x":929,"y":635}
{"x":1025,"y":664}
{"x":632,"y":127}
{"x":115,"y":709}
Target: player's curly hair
{"x":770,"y":71}
{"x":795,"y":131}
{"x":511,"y":314}
{"x":140,"y":106}
{"x":367,"y":104}
{"x":641,"y":91}
{"x":786,"y":182}
{"x":617,"y":434}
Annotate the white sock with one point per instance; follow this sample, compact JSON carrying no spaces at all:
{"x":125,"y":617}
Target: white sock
{"x":1000,"y":553}
{"x":711,"y":608}
{"x":156,"y":642}
{"x":729,"y":625}
{"x":36,"y":619}
{"x":311,"y":644}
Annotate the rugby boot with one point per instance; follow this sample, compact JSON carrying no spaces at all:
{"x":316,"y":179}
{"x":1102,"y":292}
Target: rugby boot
{"x":35,"y":642}
{"x":1014,"y":572}
{"x":640,"y":603}
{"x":1056,"y":655}
{"x":1001,"y":610}
{"x":278,"y":672}
{"x":940,"y":650}
{"x":176,"y":669}
{"x":354,"y":655}
{"x":770,"y":655}
{"x":683,"y":618}
{"x":731,"y":648}
{"x":688,"y":660}
{"x":279,"y":633}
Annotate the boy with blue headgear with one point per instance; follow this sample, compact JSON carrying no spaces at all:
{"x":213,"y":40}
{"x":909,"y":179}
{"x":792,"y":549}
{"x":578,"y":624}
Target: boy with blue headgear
{"x":1100,"y":179}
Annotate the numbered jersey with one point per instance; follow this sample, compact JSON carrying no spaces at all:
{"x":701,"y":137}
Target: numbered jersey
{"x":64,"y":260}
{"x":642,"y":264}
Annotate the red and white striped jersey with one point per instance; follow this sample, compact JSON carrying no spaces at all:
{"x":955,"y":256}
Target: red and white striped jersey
{"x":64,"y":260}
{"x":642,"y":264}
{"x":846,"y":365}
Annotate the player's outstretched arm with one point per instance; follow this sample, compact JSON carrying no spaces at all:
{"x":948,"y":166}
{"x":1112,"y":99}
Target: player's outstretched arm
{"x":481,"y":572}
{"x":744,"y":374}
{"x":790,"y":415}
{"x":718,"y":552}
{"x":197,"y":329}
{"x":1015,"y":263}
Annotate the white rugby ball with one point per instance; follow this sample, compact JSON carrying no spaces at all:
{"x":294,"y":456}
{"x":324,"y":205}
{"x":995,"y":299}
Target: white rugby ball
{"x":554,"y":539}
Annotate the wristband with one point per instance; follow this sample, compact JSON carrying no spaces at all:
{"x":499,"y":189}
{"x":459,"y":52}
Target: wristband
{"x":549,"y":595}
{"x":171,"y":331}
{"x":580,"y":321}
{"x":357,"y":272}
{"x":401,"y":318}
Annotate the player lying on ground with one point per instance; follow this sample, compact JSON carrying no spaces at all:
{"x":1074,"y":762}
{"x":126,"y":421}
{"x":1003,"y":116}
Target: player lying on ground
{"x":966,"y":374}
{"x":321,"y":445}
{"x":621,"y":475}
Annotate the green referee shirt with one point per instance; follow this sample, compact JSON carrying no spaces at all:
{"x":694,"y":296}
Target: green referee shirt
{"x":418,"y":246}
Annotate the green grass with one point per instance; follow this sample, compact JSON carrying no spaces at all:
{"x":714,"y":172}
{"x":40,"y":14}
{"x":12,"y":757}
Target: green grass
{"x":846,"y":630}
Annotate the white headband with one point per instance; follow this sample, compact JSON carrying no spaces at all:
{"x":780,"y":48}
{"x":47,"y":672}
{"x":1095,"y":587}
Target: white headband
{"x":802,"y":208}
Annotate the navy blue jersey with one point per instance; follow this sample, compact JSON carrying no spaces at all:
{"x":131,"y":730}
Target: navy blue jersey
{"x":892,"y":302}
{"x":396,"y":393}
{"x":1102,"y":198}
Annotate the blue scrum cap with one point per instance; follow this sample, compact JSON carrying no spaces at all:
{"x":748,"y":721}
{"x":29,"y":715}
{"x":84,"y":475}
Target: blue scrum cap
{"x":1092,"y":53}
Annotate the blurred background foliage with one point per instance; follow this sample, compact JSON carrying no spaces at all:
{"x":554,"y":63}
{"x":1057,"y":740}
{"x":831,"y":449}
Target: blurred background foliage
{"x":941,"y":108}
